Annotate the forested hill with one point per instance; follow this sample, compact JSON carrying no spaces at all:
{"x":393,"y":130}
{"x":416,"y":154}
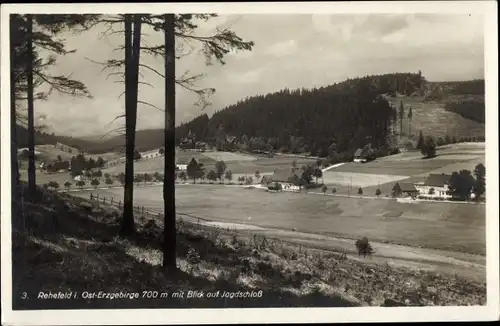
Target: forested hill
{"x":43,"y":138}
{"x":349,"y":114}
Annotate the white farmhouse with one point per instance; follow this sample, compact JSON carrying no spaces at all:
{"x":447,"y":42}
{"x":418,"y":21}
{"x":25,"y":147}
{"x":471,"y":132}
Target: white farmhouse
{"x":181,"y":167}
{"x":436,"y":185}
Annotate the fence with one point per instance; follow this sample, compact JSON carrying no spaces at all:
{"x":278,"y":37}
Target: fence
{"x":118,"y":203}
{"x":154,"y":213}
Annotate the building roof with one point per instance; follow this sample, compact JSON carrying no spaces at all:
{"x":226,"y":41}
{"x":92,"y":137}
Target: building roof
{"x":437,"y":180}
{"x":358,"y":152}
{"x":230,"y":139}
{"x":287,"y":175}
{"x":406,"y":186}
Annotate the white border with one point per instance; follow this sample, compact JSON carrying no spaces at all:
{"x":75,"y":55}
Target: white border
{"x":269,"y":315}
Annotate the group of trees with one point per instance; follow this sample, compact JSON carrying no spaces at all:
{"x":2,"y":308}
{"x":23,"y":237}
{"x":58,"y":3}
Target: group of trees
{"x":469,"y":109}
{"x":463,"y":183}
{"x":426,"y":145}
{"x":29,"y":70}
{"x":196,"y":171}
{"x":35,"y":42}
{"x":80,"y":163}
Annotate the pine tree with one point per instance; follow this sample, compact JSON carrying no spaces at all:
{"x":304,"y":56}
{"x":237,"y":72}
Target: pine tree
{"x":401,"y":116}
{"x":410,"y":116}
{"x":480,"y":183}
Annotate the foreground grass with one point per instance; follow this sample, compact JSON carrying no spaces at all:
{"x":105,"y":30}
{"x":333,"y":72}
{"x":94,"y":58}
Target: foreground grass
{"x":70,"y":244}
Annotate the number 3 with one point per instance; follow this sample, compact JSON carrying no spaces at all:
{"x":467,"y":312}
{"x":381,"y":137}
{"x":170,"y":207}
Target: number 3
{"x":24,"y":296}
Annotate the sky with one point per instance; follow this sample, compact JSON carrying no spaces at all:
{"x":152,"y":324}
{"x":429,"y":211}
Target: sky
{"x":291,"y":51}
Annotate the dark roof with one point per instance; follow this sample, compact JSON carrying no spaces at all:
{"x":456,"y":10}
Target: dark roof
{"x":437,"y":180}
{"x":230,"y":139}
{"x":358,"y":152}
{"x":266,"y":178}
{"x":287,"y":175}
{"x":406,"y":187}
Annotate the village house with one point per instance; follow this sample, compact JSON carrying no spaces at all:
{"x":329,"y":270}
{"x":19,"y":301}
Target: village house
{"x":188,"y":142}
{"x":436,"y":185}
{"x":363,"y":155}
{"x":358,"y":156}
{"x":289,"y":179}
{"x":404,"y":189}
{"x":230,"y":143}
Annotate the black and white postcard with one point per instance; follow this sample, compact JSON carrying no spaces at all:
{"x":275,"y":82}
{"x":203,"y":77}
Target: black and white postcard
{"x":215,"y":163}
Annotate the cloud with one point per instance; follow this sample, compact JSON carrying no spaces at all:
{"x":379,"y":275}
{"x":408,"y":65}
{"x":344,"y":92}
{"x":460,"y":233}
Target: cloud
{"x":284,"y":48}
{"x":290,"y":51}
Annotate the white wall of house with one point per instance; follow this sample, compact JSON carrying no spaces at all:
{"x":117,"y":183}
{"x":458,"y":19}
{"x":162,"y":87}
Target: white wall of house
{"x":438,"y":191}
{"x":289,"y":186}
{"x":182,"y":167}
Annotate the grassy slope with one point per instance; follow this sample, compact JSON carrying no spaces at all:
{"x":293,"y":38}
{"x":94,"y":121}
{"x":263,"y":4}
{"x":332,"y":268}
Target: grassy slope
{"x":434,"y":120}
{"x":66,"y":248}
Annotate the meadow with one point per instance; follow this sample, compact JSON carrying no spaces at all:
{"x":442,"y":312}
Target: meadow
{"x":456,"y":227}
{"x":238,"y":163}
{"x":432,"y":119}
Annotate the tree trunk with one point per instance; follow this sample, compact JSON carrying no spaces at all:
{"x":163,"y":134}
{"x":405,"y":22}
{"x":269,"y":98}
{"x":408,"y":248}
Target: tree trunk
{"x":13,"y":132}
{"x":169,"y":232}
{"x":31,"y":109}
{"x":131,"y":65}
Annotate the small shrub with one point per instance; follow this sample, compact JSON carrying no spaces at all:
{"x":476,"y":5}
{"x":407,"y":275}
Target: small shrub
{"x":360,"y":191}
{"x":378,"y":192}
{"x":364,"y":247}
{"x":334,"y":190}
{"x":193,"y":257}
{"x":431,"y":191}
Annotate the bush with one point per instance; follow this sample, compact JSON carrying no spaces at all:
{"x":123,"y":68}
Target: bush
{"x":394,"y":150}
{"x":360,"y":191}
{"x":364,"y":247}
{"x":334,"y":190}
{"x":378,"y":192}
{"x":53,"y":185}
{"x":95,"y":183}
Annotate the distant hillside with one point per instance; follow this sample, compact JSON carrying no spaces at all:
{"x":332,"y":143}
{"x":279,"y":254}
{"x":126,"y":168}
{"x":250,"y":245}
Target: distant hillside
{"x":42,"y":138}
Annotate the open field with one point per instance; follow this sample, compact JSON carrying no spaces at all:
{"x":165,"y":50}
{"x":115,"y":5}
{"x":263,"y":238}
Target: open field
{"x":344,"y":179}
{"x":83,"y":252}
{"x":229,"y":156}
{"x":434,"y":120}
{"x":236,"y":162}
{"x":448,"y":226}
